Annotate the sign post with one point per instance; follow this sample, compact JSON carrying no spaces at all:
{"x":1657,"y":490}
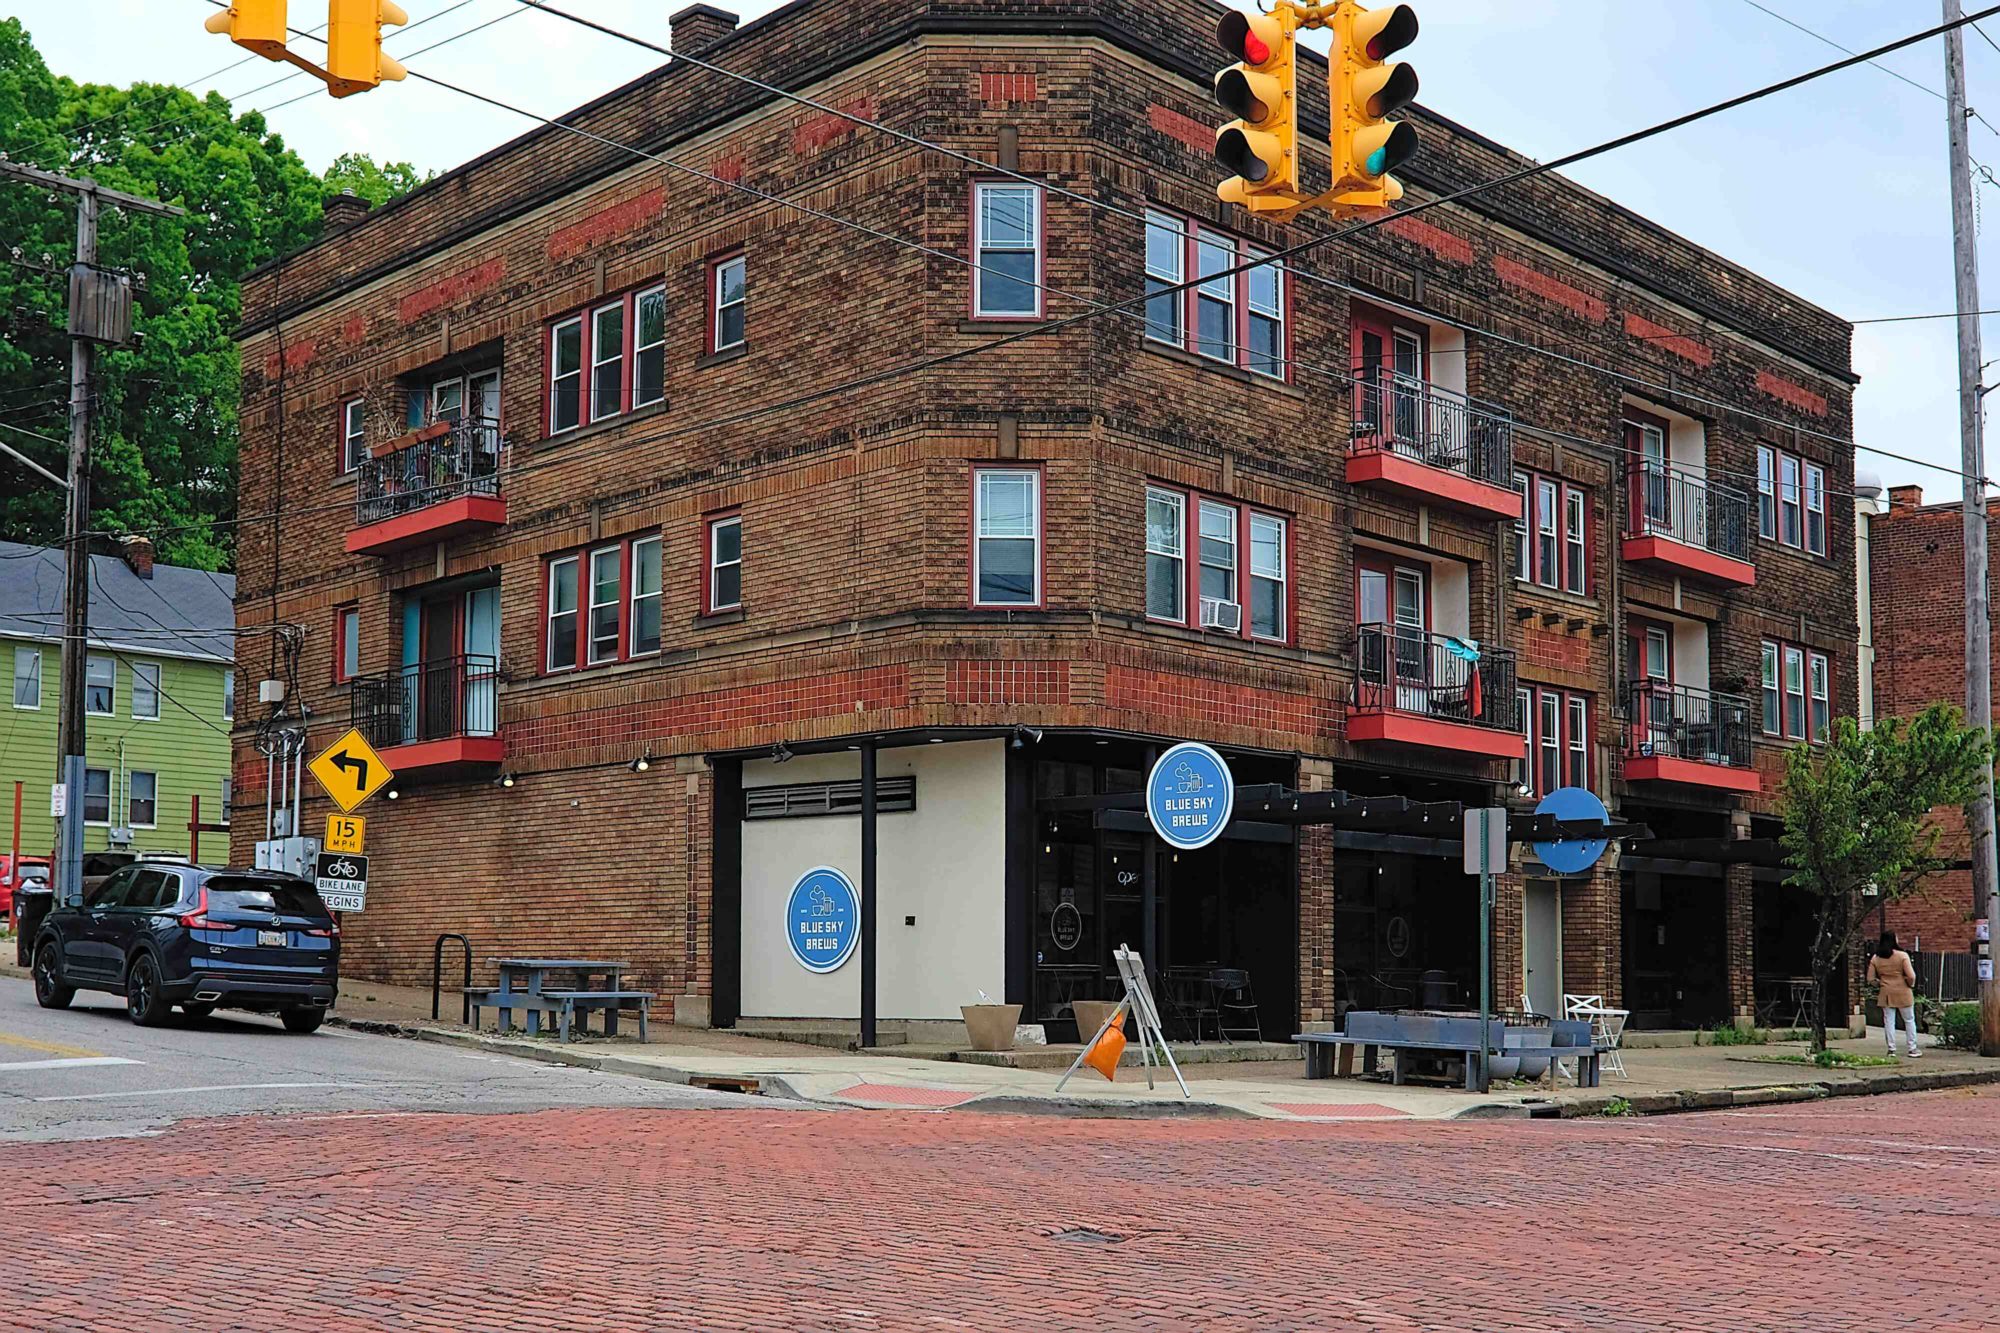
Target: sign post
{"x":1485,"y":852}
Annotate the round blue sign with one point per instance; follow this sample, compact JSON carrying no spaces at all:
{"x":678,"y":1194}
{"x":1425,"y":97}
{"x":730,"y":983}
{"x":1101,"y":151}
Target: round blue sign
{"x":823,"y":919}
{"x":1189,"y":796}
{"x":1572,"y":856}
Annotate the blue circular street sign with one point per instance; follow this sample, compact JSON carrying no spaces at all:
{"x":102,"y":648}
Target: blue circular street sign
{"x":1189,"y":796}
{"x":1572,"y":856}
{"x":823,"y":919}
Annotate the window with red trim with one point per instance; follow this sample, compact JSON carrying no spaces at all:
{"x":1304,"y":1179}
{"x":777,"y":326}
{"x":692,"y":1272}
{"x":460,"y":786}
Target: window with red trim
{"x":1797,"y":692}
{"x":346,"y":644}
{"x":1242,"y":559}
{"x":1006,"y":536}
{"x":723,"y":586}
{"x":353,"y":433}
{"x":603,"y":362}
{"x":1555,"y":733}
{"x":1240,"y":319}
{"x":728,"y":303}
{"x":1007,"y":234}
{"x":1791,"y":500}
{"x":1552,"y":535}
{"x":602,"y":605}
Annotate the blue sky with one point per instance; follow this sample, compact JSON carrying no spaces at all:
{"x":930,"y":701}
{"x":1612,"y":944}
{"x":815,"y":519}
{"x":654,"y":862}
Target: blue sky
{"x":1837,"y":190}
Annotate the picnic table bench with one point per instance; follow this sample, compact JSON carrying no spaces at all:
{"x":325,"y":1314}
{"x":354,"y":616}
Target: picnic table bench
{"x":1411,"y":1037}
{"x":524,"y":986}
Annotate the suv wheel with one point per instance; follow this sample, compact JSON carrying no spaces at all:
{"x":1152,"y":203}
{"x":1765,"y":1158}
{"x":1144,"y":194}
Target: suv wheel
{"x":303,"y":1020}
{"x":143,"y":1000}
{"x":50,"y":993}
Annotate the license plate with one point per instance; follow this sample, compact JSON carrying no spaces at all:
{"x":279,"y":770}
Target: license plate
{"x":271,"y":937}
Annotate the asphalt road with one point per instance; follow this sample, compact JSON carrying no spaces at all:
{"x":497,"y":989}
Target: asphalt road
{"x":90,"y":1072}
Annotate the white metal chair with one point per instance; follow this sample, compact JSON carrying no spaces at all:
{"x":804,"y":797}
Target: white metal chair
{"x":1607,"y":1028}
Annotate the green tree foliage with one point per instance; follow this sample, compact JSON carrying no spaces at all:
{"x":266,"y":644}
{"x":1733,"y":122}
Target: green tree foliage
{"x":164,"y":449}
{"x":1858,"y":814}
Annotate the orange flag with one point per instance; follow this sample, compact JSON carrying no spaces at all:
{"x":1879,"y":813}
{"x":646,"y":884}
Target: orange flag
{"x":1104,"y":1053}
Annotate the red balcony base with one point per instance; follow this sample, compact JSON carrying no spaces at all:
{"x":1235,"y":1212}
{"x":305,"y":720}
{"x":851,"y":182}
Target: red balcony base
{"x":1692,"y":773}
{"x":429,"y":524}
{"x":453,"y":752}
{"x":1406,"y":476}
{"x":1393,"y":728}
{"x":1668,"y":553}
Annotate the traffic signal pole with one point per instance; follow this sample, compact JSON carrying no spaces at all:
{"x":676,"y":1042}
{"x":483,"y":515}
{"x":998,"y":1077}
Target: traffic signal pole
{"x":1978,"y":593}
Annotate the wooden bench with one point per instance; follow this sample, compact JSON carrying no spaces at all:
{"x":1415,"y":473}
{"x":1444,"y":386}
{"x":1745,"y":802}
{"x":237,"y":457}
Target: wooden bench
{"x":564,"y":1006}
{"x":1409,"y":1038}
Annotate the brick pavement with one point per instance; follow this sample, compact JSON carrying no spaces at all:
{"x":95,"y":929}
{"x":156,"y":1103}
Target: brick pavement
{"x":1768,"y":1219}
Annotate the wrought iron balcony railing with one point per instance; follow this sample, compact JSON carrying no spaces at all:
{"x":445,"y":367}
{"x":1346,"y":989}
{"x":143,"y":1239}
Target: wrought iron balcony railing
{"x":465,"y":459}
{"x":1433,"y":426}
{"x":1436,"y":676}
{"x":1690,"y":509}
{"x":441,"y":699}
{"x":1665,"y":721}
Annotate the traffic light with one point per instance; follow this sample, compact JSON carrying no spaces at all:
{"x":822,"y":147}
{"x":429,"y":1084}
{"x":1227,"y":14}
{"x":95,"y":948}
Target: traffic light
{"x":1366,"y":90}
{"x":354,"y":59}
{"x":255,"y":25}
{"x":1259,"y":147}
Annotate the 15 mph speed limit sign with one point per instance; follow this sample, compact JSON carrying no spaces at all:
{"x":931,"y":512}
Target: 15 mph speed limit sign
{"x":342,"y":881}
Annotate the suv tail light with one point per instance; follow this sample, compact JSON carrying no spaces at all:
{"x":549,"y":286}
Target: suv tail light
{"x":332,"y":933}
{"x":198,"y":918}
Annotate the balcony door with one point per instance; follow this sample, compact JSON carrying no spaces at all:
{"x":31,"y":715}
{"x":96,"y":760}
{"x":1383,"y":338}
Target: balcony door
{"x":1652,"y":647}
{"x":451,"y":655}
{"x":1647,"y":440}
{"x":1390,"y":370}
{"x":1392,"y":597}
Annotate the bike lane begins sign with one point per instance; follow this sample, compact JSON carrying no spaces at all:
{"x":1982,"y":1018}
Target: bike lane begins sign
{"x":342,"y":881}
{"x":1190,"y":796}
{"x":823,"y":919}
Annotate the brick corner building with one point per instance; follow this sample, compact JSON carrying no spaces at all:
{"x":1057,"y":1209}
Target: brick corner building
{"x":664,"y":500}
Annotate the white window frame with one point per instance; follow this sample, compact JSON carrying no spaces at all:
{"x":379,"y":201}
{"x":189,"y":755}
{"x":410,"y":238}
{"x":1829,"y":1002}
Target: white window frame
{"x":1208,"y":291}
{"x":1177,"y":500}
{"x":1235,"y":567}
{"x":34,"y":673}
{"x":575,"y":614}
{"x":1524,"y":700}
{"x":1790,"y":503}
{"x":229,"y":694}
{"x":1548,"y":529}
{"x":980,"y":537}
{"x":139,"y":670}
{"x":1576,"y":542}
{"x":1767,"y":492}
{"x":1178,"y":228}
{"x":456,"y":384}
{"x":557,"y":375}
{"x":353,"y":433}
{"x":982,"y":245}
{"x":1771,"y":717}
{"x":616,"y":603}
{"x":1253,"y":312}
{"x":633,"y":596}
{"x":111,"y":664}
{"x":228,"y":798}
{"x":1524,"y":571}
{"x":640,"y":350}
{"x":110,"y":798}
{"x":716,"y":564}
{"x":717,"y":305}
{"x":1549,"y":709}
{"x":132,"y":777}
{"x":1576,"y":740}
{"x":1795,"y":657}
{"x":1281,"y":577}
{"x":616,"y":309}
{"x":1819,"y":694}
{"x":1815,"y":507}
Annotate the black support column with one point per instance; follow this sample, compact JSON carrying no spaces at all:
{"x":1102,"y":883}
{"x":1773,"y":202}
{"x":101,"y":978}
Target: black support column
{"x":867,"y":893}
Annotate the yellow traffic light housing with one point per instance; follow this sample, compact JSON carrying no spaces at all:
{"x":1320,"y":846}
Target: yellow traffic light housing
{"x":1260,"y":147}
{"x":255,"y":25}
{"x":1365,"y":90}
{"x":355,"y":61}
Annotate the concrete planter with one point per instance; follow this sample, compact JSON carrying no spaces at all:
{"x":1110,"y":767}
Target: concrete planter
{"x":991,"y":1026}
{"x":1090,"y":1016}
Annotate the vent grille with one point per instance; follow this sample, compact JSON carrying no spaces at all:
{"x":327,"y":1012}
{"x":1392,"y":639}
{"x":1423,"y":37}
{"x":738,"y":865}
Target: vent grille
{"x":807,"y":800}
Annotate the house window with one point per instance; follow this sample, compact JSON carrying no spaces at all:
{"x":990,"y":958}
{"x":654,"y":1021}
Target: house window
{"x":1166,"y":267}
{"x":1216,"y":552}
{"x":1007,"y":537}
{"x":607,"y":361}
{"x":728,"y":300}
{"x":353,"y":433}
{"x":1265,"y":288}
{"x":1166,"y":555}
{"x":97,"y":796}
{"x":1772,"y":725}
{"x":646,"y":586}
{"x":1555,"y":731}
{"x":1788,"y":500}
{"x":1574,"y":551}
{"x":229,"y":694}
{"x":142,"y":799}
{"x":725,"y":563}
{"x":27,"y":677}
{"x":1215,"y":298}
{"x":100,"y":677}
{"x":566,"y":375}
{"x":1546,"y":538}
{"x":562,"y":613}
{"x":649,"y":347}
{"x":1767,"y":492}
{"x":1820,"y":716}
{"x":1267,"y":576}
{"x":1007,"y":251}
{"x":1815,"y":509}
{"x":346,"y":644}
{"x":146,"y":691}
{"x":228,"y":799}
{"x":606,"y":578}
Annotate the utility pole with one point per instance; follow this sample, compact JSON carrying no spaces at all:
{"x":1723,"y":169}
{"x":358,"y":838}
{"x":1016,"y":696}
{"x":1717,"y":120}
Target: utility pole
{"x":100,"y":311}
{"x":1978,"y":612}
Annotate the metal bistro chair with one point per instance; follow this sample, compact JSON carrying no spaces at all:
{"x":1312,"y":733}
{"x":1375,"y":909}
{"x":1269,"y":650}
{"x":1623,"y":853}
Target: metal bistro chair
{"x":1607,"y":1028}
{"x":1235,"y":1004}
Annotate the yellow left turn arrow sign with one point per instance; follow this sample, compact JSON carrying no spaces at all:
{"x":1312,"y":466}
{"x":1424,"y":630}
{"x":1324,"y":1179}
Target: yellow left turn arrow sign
{"x":350,"y":771}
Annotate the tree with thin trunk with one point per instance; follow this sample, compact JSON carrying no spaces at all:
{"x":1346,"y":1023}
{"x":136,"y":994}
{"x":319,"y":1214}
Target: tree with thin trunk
{"x":1859,"y":817}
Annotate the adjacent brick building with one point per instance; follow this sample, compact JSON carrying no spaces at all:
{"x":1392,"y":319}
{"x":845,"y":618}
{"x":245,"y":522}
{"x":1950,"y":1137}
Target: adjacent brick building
{"x":625,"y":483}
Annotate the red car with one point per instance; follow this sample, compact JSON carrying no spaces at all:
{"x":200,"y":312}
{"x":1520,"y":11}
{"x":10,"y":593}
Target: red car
{"x":31,"y":868}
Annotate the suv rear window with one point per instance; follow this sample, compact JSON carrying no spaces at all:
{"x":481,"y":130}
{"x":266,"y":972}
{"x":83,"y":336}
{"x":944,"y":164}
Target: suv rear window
{"x":241,"y":892}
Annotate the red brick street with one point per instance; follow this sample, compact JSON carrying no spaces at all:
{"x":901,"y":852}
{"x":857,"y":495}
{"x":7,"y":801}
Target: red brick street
{"x":1856,"y":1214}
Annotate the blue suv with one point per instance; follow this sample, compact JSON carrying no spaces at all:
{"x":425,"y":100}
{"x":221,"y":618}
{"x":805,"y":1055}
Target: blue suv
{"x":163,"y":935}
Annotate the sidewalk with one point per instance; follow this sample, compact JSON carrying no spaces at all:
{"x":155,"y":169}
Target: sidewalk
{"x":1660,"y":1080}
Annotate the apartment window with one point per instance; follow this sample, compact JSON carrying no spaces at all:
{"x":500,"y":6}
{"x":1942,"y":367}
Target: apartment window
{"x":229,"y":694}
{"x":1216,"y":552}
{"x":1788,"y":500}
{"x":1524,"y":707}
{"x":728,"y":301}
{"x":607,"y":361}
{"x":353,"y":433}
{"x":725,"y":563}
{"x":1576,"y":740}
{"x":1795,"y":691}
{"x":1166,"y":555}
{"x":142,"y":804}
{"x":1547,"y":539}
{"x":1555,"y":730}
{"x":1007,"y":251}
{"x":448,"y":399}
{"x":649,"y":347}
{"x":1524,"y":486}
{"x":100,"y":677}
{"x":1820,"y":714}
{"x":146,"y":691}
{"x":562,"y":613}
{"x":566,"y":375}
{"x":646,"y":588}
{"x":346,"y":644}
{"x":1265,"y":291}
{"x":1267,"y":576}
{"x":1552,"y":534}
{"x":1798,"y":692}
{"x":1166,"y":268}
{"x":1772,"y":725}
{"x":1659,"y":654}
{"x":606,"y":579}
{"x":97,"y":796}
{"x":1548,"y":775}
{"x":1575,"y":562}
{"x":1767,"y":492}
{"x":1007,"y":536}
{"x":1215,"y":298}
{"x":27,"y":677}
{"x":228,"y":799}
{"x":1815,"y":508}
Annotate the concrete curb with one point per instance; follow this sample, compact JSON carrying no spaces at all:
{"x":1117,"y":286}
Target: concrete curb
{"x":1777,"y":1094}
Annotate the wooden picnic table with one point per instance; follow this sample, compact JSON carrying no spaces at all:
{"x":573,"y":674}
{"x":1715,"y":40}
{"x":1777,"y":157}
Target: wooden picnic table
{"x":524,"y":985}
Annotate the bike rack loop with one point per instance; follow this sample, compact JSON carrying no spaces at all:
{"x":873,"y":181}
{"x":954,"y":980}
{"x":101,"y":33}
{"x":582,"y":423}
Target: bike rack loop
{"x":437,"y":975}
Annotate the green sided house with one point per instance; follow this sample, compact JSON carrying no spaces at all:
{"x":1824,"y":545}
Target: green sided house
{"x":160,"y":697}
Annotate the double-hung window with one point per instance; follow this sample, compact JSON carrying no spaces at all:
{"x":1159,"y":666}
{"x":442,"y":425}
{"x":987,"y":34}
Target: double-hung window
{"x":142,"y":799}
{"x":725,"y":563}
{"x":100,"y":686}
{"x":1524,"y":486}
{"x":1791,"y":500}
{"x":607,"y":361}
{"x":1819,"y":686}
{"x":562,"y":613}
{"x":566,"y":375}
{"x":1215,"y":298}
{"x":1575,"y":551}
{"x":1788,"y":500}
{"x":603,"y":605}
{"x":1265,"y":298}
{"x":1798,"y":692}
{"x":649,"y":347}
{"x":1577,"y":740}
{"x":1815,"y":508}
{"x":97,"y":796}
{"x":1773,"y":726}
{"x":1166,"y":269}
{"x":1548,"y":726}
{"x":146,"y":691}
{"x":1795,"y":691}
{"x":1555,"y":730}
{"x":1216,"y":551}
{"x":606,"y":599}
{"x":1006,"y":537}
{"x":27,"y":677}
{"x":1267,"y":576}
{"x":353,"y":433}
{"x":729,"y":300}
{"x":646,"y":592}
{"x":1239,"y":319}
{"x":1007,"y":250}
{"x":1166,"y":555}
{"x":346,"y":644}
{"x":1546,"y":533}
{"x":1767,"y":491}
{"x":229,"y":694}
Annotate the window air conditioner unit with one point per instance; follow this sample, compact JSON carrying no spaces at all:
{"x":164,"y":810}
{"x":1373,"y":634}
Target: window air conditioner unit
{"x":1218,"y":614}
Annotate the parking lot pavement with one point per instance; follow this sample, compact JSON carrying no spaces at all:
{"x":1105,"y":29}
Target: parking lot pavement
{"x":89,"y":1072}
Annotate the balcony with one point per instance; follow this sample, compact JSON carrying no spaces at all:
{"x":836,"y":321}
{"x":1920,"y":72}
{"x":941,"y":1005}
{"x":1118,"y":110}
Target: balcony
{"x":1433,"y":691}
{"x":1690,"y":525}
{"x":1431,"y":444}
{"x":1674,"y":733}
{"x":439,"y":715}
{"x":433,"y":483}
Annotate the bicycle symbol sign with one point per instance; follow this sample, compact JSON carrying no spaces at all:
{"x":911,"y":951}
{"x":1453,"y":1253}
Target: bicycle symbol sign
{"x":342,"y":881}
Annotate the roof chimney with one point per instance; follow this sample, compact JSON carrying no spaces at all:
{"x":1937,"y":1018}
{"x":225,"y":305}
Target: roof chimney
{"x":341,"y":211}
{"x":138,"y":553}
{"x":699,"y":27}
{"x":1906,"y":497}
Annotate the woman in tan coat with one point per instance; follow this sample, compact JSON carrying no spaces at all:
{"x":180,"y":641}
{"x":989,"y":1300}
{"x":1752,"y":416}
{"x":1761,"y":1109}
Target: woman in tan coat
{"x":1896,"y":980}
